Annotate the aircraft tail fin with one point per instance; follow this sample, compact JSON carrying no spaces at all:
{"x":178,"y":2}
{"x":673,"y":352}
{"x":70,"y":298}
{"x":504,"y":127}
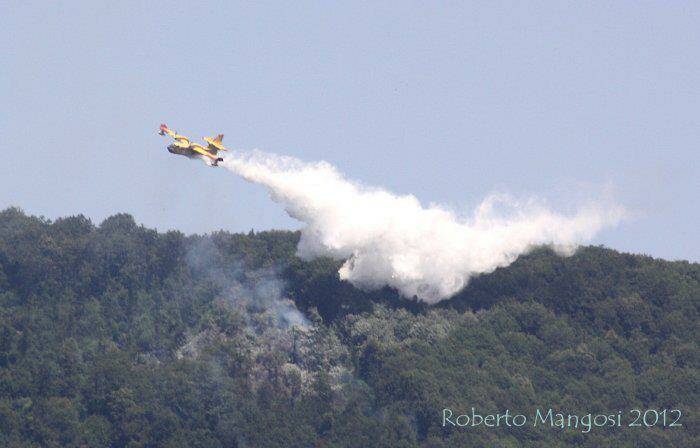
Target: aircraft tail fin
{"x":215,"y":142}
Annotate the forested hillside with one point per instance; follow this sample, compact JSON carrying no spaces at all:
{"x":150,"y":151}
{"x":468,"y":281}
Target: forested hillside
{"x":115,"y":335}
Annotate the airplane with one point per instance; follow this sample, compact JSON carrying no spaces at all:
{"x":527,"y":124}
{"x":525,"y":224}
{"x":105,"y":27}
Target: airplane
{"x":184,"y":147}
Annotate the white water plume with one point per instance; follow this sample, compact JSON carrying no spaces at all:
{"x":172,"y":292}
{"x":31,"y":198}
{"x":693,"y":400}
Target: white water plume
{"x":393,"y":240}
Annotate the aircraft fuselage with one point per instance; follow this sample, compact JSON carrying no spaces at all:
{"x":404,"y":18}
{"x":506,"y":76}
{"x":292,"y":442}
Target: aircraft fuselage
{"x":179,"y":150}
{"x":190,"y":153}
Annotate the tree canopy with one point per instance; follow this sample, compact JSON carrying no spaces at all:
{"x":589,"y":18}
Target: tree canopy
{"x":116,"y":335}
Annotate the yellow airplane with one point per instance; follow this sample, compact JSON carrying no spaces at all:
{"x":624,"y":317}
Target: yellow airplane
{"x":184,"y":147}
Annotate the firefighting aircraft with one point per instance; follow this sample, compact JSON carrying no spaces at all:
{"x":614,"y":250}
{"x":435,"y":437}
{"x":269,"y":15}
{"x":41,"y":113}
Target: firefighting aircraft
{"x":184,"y":147}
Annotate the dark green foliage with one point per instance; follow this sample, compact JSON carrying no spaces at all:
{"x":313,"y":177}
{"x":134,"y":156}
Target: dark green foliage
{"x":117,"y":335}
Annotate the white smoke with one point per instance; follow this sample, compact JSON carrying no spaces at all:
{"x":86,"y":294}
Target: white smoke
{"x":256,"y":293}
{"x":393,"y":240}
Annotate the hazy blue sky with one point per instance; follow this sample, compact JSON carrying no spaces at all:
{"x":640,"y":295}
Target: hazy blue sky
{"x":446,"y":100}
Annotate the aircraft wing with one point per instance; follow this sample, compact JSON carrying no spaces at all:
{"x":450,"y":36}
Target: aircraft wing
{"x":200,"y":149}
{"x":182,"y":142}
{"x":164,"y":129}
